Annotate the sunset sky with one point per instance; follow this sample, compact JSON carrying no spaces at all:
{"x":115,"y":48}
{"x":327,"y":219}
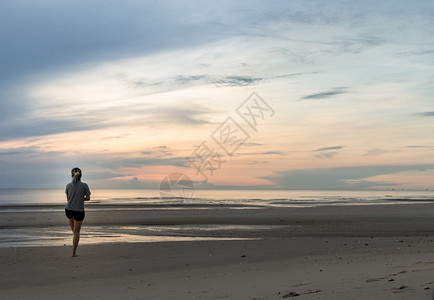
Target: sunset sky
{"x":130,"y":90}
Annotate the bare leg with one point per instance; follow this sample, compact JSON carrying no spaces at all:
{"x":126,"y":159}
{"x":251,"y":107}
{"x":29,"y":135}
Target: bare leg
{"x":71,"y":224}
{"x":76,"y":236}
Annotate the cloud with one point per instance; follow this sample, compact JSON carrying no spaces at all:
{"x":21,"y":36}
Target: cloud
{"x":120,"y":181}
{"x":178,"y":115}
{"x":36,"y":167}
{"x":82,"y":32}
{"x":328,"y":148}
{"x":41,"y":40}
{"x":182,"y":81}
{"x":19,"y":150}
{"x":291,"y":75}
{"x":137,"y":162}
{"x":31,"y":127}
{"x":164,"y":150}
{"x":218,"y":81}
{"x":237,"y":81}
{"x":416,"y":53}
{"x":26,"y":154}
{"x":419,"y":147}
{"x":326,"y":94}
{"x":158,"y":151}
{"x":33,"y":168}
{"x":339,"y":178}
{"x":92,"y":119}
{"x":255,"y":162}
{"x":326,"y":155}
{"x":376,"y":151}
{"x":101,"y":175}
{"x":262,"y":153}
{"x":203,"y":79}
{"x":133,"y":183}
{"x":426,"y":114}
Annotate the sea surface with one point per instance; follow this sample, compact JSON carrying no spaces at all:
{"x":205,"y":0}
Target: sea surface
{"x":27,"y":201}
{"x":49,"y":197}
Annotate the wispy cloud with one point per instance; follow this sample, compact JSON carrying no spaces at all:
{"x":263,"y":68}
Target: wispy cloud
{"x":419,"y":147}
{"x":325,"y":94}
{"x":261,"y":153}
{"x":325,"y":155}
{"x":35,"y":151}
{"x":182,"y":81}
{"x":138,"y":162}
{"x":329,"y":148}
{"x":58,"y":121}
{"x":28,"y":127}
{"x":417,"y":53}
{"x":178,"y":115}
{"x":326,"y":152}
{"x":375,"y":151}
{"x":217,"y":81}
{"x":158,"y":152}
{"x":426,"y":114}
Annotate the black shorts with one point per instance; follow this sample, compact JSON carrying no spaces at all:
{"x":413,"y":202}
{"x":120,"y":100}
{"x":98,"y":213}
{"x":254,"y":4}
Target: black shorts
{"x":77,"y":215}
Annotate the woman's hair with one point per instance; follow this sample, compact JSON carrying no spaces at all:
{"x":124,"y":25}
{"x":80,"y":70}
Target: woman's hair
{"x":76,"y":175}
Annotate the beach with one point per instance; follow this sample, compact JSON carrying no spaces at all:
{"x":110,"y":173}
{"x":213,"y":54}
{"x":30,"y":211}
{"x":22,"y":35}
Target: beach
{"x":245,"y":150}
{"x":225,"y":252}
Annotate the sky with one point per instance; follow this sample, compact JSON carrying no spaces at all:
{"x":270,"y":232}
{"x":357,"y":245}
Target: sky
{"x":229,"y":94}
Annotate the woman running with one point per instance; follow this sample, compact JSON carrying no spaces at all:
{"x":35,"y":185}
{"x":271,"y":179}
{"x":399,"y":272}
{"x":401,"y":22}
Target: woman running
{"x":76,"y":193}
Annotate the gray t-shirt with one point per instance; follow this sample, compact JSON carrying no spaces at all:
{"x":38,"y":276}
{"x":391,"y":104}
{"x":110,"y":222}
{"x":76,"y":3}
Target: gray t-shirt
{"x":75,"y":193}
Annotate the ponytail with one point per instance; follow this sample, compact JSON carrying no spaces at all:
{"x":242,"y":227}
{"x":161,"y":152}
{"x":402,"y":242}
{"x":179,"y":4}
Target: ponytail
{"x":76,"y":175}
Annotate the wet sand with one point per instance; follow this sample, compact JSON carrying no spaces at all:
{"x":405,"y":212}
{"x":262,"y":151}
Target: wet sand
{"x":345,"y":252}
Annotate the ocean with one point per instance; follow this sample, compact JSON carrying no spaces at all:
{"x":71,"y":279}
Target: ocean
{"x":20,"y":198}
{"x":38,"y":203}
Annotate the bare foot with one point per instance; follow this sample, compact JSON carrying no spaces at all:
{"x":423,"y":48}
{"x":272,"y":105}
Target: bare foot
{"x":74,"y":255}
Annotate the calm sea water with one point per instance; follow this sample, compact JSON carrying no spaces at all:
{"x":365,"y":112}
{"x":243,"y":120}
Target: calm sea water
{"x":20,"y":197}
{"x":28,"y":200}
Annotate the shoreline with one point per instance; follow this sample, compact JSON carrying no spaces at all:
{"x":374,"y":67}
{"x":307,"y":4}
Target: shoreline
{"x":419,"y":215}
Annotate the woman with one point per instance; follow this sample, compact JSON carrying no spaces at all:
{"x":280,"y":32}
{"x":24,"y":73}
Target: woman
{"x":76,"y":193}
